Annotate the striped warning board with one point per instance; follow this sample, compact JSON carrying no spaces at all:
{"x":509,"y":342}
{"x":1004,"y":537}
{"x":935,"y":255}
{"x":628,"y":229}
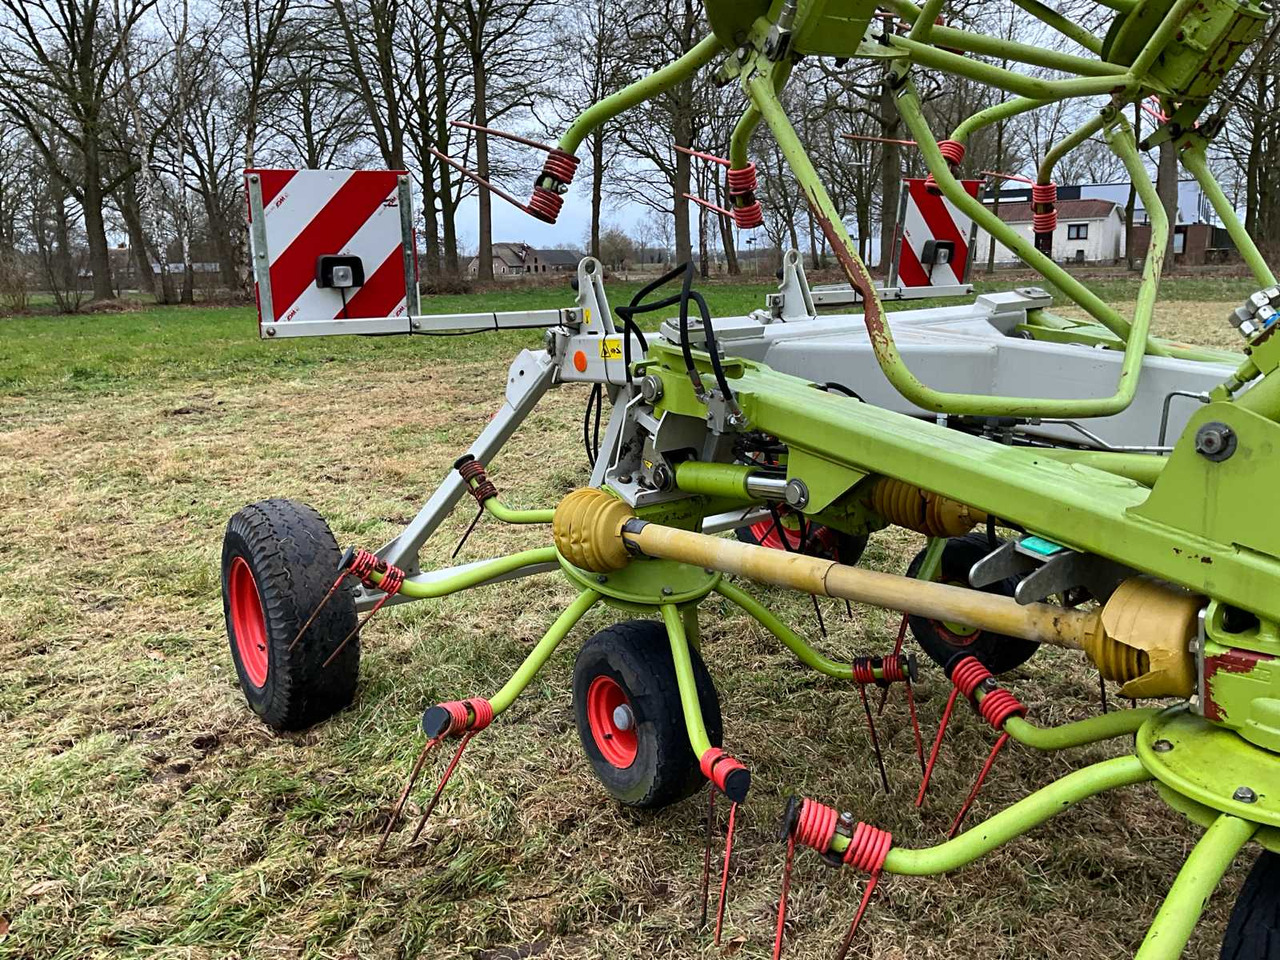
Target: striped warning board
{"x":932,"y":229}
{"x":298,"y":216}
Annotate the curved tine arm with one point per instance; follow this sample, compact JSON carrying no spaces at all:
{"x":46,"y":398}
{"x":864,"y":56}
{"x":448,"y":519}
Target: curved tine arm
{"x":473,"y":574}
{"x":541,"y":653}
{"x":1016,"y":820}
{"x":1121,"y":142}
{"x":643,"y":89}
{"x":790,"y":639}
{"x":1001,"y":111}
{"x":689,"y":702}
{"x":1068,"y":143}
{"x":1180,"y":912}
{"x":1193,"y":158}
{"x":1102,"y":727}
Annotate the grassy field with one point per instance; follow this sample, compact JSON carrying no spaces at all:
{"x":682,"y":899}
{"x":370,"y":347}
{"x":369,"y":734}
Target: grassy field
{"x":145,"y":813}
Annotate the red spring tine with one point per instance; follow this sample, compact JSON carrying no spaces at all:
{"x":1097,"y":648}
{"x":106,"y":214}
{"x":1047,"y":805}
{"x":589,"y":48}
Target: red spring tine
{"x":937,"y":745}
{"x":857,"y":918}
{"x":476,"y":178}
{"x":444,"y":780}
{"x":516,"y":138}
{"x":404,"y":794}
{"x":358,"y":627}
{"x":709,"y":205}
{"x":875,"y":741}
{"x":897,"y":649}
{"x":782,"y":896}
{"x":982,"y":775}
{"x":709,"y":157}
{"x":392,"y":580}
{"x":342,"y":574}
{"x":706,"y":854}
{"x":724,"y":873}
{"x":915,"y":724}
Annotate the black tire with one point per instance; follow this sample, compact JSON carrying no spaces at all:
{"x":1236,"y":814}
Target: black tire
{"x":823,"y":541}
{"x":1253,"y":932}
{"x":997,"y":652}
{"x":291,"y":559}
{"x":636,"y":656}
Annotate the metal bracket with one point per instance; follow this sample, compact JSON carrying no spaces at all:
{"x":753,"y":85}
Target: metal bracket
{"x":793,"y":301}
{"x":1042,"y":576}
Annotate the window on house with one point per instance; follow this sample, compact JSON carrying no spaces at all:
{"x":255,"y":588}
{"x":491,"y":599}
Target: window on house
{"x":1077,"y":231}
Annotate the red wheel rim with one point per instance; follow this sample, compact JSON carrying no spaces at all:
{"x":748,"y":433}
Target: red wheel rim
{"x":820,"y":543}
{"x":607,"y":703}
{"x":248,"y":625}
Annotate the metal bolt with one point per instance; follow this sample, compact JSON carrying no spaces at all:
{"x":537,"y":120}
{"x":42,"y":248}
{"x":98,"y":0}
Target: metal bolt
{"x":797,"y":494}
{"x":667,"y":591}
{"x":1162,"y":746}
{"x":1215,"y":441}
{"x":623,"y":718}
{"x":253,"y":178}
{"x":624,"y":478}
{"x":415,"y":324}
{"x":1245,"y":795}
{"x":651,"y":388}
{"x":271,"y":331}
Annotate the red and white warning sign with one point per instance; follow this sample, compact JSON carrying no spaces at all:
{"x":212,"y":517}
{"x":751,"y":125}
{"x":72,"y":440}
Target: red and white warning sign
{"x":332,"y":251}
{"x":935,"y":237}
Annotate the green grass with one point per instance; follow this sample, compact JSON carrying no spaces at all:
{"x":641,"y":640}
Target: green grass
{"x":112,"y":353}
{"x":145,"y":813}
{"x":117,"y":351}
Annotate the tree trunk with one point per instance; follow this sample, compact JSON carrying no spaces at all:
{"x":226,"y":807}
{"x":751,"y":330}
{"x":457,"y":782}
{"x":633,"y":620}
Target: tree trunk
{"x":731,"y":265}
{"x":995,"y":200}
{"x":597,"y":188}
{"x":890,"y":177}
{"x":679,"y":187}
{"x":128,"y":203}
{"x":441,"y":68}
{"x":94,"y":226}
{"x":484,"y":256}
{"x":1167,"y":188}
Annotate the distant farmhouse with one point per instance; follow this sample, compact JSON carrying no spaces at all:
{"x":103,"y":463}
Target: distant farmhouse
{"x":1091,"y":225}
{"x":512,"y":260}
{"x":1089,"y":231}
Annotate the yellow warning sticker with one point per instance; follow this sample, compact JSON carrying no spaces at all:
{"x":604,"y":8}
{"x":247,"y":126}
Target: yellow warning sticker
{"x":611,"y":348}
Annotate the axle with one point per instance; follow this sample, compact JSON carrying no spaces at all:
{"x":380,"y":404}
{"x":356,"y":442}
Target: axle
{"x":1140,"y":637}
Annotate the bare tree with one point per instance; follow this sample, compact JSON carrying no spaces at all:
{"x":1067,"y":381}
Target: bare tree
{"x":499,"y":38}
{"x":59,"y":58}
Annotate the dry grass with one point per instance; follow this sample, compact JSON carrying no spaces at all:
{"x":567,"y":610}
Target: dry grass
{"x":144,"y":811}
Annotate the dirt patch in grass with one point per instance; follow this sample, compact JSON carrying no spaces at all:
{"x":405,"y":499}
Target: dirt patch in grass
{"x":145,"y":812}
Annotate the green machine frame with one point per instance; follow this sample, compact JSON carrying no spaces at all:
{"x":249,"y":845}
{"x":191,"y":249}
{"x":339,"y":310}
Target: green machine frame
{"x":1198,"y":520}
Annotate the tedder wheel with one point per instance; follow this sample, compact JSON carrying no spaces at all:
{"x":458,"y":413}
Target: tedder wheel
{"x":1253,"y":932}
{"x":822,"y":541}
{"x":279,"y":559}
{"x":627,"y":706}
{"x":943,"y":640}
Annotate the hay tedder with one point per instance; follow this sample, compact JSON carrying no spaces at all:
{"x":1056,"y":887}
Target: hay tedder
{"x":1081,"y":483}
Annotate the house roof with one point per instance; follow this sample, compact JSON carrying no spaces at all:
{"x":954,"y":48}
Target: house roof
{"x":516,"y":254}
{"x":1020,"y":212}
{"x":511,"y":254}
{"x":567,"y":258}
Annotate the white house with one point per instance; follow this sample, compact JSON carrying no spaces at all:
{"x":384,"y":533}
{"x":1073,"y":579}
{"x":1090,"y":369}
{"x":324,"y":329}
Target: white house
{"x":512,"y":260}
{"x":1089,"y":231}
